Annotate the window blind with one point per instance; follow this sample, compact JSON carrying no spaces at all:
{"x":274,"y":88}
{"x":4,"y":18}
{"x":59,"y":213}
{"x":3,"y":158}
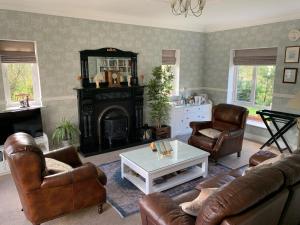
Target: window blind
{"x":261,"y":56}
{"x":168,"y":57}
{"x":17,"y":52}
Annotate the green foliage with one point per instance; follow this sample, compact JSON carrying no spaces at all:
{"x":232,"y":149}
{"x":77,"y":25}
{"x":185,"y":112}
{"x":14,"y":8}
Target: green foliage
{"x":265,"y":76}
{"x":66,"y":131}
{"x":158,"y":91}
{"x":19,"y":77}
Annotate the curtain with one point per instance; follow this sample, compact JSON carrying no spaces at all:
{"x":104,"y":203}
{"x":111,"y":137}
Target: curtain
{"x":17,"y":52}
{"x":168,"y":57}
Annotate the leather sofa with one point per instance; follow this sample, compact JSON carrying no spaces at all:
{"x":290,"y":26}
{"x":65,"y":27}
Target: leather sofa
{"x":231,"y":121}
{"x":43,"y":196}
{"x":266,"y":196}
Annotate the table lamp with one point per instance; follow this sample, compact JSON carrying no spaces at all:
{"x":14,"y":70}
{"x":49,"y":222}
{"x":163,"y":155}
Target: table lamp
{"x":294,"y":103}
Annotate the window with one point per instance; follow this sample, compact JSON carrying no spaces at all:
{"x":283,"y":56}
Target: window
{"x":20,"y":73}
{"x":253,"y":80}
{"x":171,"y":61}
{"x":254,"y":87}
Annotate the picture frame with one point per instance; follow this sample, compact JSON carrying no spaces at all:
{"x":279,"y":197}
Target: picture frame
{"x":292,"y":54}
{"x":290,"y":75}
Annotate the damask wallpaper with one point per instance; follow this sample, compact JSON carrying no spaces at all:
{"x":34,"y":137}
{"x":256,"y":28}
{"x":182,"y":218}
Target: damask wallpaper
{"x":219,"y":47}
{"x":60,"y":39}
{"x":204,"y":58}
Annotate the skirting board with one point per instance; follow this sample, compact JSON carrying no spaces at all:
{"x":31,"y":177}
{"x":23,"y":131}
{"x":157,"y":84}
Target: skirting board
{"x":262,"y":139}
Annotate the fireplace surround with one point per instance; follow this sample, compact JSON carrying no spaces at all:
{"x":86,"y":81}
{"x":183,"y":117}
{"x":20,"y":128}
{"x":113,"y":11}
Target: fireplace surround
{"x":109,"y":118}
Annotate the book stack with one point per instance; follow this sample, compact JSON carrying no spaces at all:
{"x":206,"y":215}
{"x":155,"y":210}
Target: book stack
{"x":162,"y":147}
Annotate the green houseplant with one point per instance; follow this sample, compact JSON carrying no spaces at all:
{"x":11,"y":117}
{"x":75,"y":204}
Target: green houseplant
{"x":65,"y":134}
{"x":158,"y":91}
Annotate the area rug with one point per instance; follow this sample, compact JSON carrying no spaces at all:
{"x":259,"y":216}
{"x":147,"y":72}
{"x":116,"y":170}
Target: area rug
{"x":124,"y":196}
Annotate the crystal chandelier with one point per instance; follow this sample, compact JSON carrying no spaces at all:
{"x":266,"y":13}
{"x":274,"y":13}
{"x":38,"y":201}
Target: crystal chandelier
{"x":183,"y":7}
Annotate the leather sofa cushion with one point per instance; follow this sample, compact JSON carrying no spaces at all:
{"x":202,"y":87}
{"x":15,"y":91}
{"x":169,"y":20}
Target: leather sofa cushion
{"x":216,"y":182}
{"x":290,"y":167}
{"x":211,"y":133}
{"x":186,"y":196}
{"x":193,"y":207}
{"x":241,"y":194}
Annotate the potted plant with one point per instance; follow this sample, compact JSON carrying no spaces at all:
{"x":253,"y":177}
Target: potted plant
{"x":65,"y":134}
{"x":158,"y":91}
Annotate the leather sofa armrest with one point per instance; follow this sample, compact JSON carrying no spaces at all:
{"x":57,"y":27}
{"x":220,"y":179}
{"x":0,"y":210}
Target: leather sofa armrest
{"x":199,"y":125}
{"x":67,"y":155}
{"x":84,"y":172}
{"x":160,"y":209}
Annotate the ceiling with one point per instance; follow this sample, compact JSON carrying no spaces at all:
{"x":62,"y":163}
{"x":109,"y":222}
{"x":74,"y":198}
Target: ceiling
{"x":217,"y":15}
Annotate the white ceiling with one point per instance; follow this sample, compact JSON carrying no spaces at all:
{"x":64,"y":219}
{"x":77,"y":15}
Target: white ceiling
{"x":217,"y":15}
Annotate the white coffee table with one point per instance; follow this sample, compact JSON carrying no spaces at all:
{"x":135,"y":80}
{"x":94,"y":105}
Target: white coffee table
{"x":150,"y":166}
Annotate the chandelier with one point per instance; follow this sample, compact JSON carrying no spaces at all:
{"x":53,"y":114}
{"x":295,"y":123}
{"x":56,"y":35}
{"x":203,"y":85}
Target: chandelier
{"x":185,"y":7}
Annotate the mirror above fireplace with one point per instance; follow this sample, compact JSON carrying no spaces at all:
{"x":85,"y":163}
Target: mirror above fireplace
{"x":101,"y":63}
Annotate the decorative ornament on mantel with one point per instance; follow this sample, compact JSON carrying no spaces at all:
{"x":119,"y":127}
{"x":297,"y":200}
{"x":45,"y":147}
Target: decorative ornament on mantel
{"x":187,"y":7}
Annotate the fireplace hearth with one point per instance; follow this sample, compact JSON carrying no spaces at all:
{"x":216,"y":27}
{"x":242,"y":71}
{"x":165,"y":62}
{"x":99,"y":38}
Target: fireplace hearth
{"x":109,"y":118}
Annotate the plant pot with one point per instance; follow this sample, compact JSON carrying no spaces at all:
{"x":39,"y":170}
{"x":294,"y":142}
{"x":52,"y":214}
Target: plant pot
{"x":161,"y":133}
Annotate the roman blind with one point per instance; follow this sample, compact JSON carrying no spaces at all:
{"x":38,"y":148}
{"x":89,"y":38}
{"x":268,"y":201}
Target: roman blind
{"x":17,"y":52}
{"x":260,"y":56}
{"x":168,"y":57}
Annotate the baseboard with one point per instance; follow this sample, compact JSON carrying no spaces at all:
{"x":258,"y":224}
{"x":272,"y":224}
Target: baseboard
{"x":263,"y":139}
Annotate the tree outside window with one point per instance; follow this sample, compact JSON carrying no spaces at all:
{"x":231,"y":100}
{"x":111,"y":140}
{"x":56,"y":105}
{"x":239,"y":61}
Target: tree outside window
{"x":254,"y":87}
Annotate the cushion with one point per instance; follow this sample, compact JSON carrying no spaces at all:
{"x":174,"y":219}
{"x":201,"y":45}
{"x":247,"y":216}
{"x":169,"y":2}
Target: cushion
{"x":193,"y":207}
{"x":55,"y":166}
{"x":211,"y":133}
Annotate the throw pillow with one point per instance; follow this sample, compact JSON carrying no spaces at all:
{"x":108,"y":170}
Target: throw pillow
{"x":211,"y":133}
{"x":54,"y":166}
{"x":193,"y":207}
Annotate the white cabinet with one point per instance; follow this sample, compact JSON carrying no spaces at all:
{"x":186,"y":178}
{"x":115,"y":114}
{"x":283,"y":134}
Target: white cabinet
{"x":181,"y":116}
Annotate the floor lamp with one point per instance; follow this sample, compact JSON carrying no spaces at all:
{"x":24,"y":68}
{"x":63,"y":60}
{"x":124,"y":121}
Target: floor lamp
{"x":294,"y":103}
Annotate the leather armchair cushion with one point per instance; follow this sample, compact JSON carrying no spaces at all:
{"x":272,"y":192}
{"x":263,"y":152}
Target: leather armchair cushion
{"x":203,"y":142}
{"x":211,"y":133}
{"x":215,"y":182}
{"x":54,"y":166}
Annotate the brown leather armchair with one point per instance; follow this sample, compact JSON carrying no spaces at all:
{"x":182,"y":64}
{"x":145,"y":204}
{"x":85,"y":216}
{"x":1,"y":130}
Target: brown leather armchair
{"x":231,"y":121}
{"x":45,"y":197}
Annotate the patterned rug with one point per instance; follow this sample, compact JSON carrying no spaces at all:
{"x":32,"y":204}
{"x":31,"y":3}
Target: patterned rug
{"x":124,"y":196}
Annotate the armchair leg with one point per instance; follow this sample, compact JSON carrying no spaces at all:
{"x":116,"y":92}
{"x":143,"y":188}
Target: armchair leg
{"x":100,"y":208}
{"x":239,"y":154}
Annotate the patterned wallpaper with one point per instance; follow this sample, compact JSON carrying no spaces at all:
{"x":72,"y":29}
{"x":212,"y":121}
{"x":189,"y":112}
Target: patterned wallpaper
{"x":204,"y":57}
{"x":219,"y":46}
{"x":60,"y":39}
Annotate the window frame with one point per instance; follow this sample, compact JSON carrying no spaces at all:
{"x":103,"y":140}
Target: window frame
{"x":253,"y":89}
{"x":35,"y":82}
{"x":176,"y":69}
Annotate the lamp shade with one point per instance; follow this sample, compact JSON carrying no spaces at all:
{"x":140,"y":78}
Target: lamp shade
{"x":294,"y":103}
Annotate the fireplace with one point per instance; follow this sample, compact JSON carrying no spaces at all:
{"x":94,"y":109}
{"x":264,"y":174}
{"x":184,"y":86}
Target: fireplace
{"x":113,"y":125}
{"x":109,"y":118}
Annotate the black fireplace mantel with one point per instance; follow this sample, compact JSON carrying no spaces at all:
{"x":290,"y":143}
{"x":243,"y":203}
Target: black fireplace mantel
{"x":93,"y":103}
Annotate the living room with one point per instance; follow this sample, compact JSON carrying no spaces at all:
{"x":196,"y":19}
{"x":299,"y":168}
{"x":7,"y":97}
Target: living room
{"x":221,"y":59}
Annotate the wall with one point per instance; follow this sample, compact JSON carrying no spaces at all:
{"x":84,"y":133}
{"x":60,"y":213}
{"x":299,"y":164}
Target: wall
{"x":60,"y":39}
{"x":219,"y":46}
